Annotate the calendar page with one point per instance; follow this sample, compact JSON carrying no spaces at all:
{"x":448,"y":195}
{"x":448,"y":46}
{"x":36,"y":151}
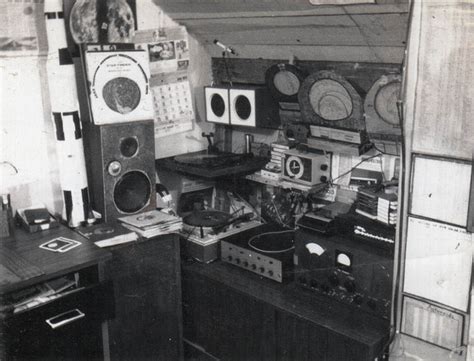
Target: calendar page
{"x":171,"y":91}
{"x":172,"y":103}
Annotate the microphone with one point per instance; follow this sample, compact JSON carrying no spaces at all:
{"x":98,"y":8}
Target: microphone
{"x":226,"y":48}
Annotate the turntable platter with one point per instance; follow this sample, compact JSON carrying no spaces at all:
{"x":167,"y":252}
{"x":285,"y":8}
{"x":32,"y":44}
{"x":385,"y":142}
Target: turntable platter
{"x":208,"y":218}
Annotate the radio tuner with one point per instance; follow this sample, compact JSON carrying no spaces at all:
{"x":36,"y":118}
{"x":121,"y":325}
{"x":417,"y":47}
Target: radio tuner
{"x":307,"y":167}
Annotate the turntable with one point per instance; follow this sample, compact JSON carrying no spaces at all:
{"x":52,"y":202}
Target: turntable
{"x":210,"y":165}
{"x":204,"y":229}
{"x":266,"y":250}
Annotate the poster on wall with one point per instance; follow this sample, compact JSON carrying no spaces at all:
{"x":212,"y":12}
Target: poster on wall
{"x":19,"y":22}
{"x":171,"y":91}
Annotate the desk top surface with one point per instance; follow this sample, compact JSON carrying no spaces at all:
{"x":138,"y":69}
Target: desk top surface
{"x":23,"y":263}
{"x":288,"y":297}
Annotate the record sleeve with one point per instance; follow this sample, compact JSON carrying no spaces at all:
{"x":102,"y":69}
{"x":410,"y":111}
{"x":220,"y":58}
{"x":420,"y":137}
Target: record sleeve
{"x":119,"y":89}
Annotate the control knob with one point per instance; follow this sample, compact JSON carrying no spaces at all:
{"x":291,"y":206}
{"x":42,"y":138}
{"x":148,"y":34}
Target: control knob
{"x":324,"y":167}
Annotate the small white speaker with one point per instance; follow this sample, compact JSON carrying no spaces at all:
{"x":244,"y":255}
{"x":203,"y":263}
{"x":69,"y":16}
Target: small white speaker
{"x":217,"y":104}
{"x":253,"y":107}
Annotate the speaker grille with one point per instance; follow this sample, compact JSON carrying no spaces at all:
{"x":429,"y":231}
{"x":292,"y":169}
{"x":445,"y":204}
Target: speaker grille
{"x":243,"y":107}
{"x":132,"y":192}
{"x":217,"y":105}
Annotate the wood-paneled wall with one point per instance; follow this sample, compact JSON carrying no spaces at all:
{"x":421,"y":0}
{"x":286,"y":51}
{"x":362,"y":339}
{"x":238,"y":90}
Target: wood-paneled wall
{"x":276,"y":29}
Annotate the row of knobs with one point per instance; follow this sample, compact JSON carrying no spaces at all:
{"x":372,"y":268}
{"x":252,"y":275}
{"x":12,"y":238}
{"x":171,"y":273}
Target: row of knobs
{"x":253,"y":267}
{"x":323,"y":167}
{"x":349,"y":285}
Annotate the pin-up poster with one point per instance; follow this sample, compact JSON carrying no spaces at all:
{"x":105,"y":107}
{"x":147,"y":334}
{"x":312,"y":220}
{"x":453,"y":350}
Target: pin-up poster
{"x":169,"y":61}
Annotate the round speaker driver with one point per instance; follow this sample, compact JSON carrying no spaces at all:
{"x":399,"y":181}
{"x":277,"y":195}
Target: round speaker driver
{"x":132,"y":192}
{"x":129,"y":147}
{"x":217,"y":105}
{"x":243,"y":107}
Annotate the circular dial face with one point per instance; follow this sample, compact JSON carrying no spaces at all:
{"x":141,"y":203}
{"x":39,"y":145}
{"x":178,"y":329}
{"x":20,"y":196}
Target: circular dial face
{"x":286,"y":83}
{"x":294,"y":167}
{"x":330,"y":100}
{"x":132,"y":192}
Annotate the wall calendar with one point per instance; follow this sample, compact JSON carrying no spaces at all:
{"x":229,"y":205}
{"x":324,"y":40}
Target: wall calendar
{"x":170,"y":87}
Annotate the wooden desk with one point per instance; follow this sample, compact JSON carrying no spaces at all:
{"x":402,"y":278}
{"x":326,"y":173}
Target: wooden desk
{"x":237,"y":315}
{"x":24,"y":264}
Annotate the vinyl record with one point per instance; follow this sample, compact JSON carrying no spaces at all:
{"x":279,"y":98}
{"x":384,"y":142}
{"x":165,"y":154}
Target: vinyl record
{"x":284,"y":81}
{"x":327,"y":99}
{"x":380,"y":107}
{"x":119,"y":86}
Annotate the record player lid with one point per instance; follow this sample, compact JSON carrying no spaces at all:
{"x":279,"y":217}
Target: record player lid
{"x":207,"y":218}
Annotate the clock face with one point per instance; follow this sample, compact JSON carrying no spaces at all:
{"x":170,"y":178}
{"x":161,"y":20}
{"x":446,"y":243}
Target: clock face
{"x":294,"y":167}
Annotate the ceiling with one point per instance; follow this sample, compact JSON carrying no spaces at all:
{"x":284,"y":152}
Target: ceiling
{"x":284,"y":28}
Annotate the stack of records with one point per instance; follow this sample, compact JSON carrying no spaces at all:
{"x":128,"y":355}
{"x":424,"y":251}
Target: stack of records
{"x":152,"y":223}
{"x":108,"y":234}
{"x":273,"y":168}
{"x":378,"y":206}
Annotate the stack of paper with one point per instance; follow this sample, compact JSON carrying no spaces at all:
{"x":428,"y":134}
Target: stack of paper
{"x":152,"y":223}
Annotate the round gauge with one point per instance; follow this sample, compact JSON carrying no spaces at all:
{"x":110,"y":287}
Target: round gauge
{"x":284,"y":81}
{"x":328,"y":99}
{"x":294,"y":167}
{"x":343,"y":260}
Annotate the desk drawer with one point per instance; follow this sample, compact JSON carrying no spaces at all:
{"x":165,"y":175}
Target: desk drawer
{"x":67,"y":327}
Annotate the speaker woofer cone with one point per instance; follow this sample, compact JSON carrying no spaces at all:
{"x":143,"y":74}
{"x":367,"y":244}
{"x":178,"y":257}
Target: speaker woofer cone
{"x":243,"y":107}
{"x":217,"y":105}
{"x":132,"y":192}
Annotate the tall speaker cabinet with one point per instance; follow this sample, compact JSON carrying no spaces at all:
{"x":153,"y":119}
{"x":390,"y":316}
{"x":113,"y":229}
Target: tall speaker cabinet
{"x":146,"y":277}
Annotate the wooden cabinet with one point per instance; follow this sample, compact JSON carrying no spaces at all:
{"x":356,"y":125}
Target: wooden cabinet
{"x":29,"y":336}
{"x":52,"y":326}
{"x":232,"y":314}
{"x":147,"y":287}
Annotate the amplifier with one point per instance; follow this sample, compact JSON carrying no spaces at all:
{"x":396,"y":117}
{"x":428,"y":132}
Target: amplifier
{"x":309,"y":168}
{"x":356,"y":274}
{"x":266,"y":250}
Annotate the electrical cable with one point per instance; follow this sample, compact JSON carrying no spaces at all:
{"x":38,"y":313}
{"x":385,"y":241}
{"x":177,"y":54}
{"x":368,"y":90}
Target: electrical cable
{"x":354,"y":167}
{"x":266,"y":233}
{"x":226,"y":66}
